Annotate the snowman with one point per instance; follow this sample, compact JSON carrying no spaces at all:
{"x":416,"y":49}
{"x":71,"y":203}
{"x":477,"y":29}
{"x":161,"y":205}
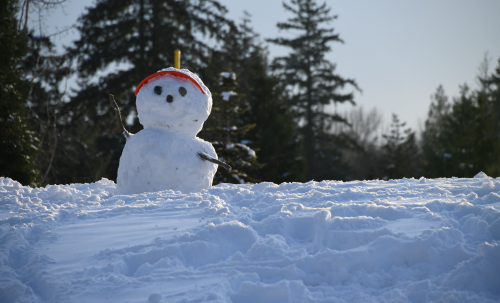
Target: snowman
{"x":172,"y":105}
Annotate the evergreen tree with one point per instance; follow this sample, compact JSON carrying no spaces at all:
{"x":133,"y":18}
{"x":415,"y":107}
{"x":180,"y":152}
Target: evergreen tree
{"x":402,"y":153}
{"x":46,"y":70}
{"x":470,"y":138}
{"x":467,"y":142}
{"x":494,"y":82}
{"x":273,"y":136}
{"x":491,"y":84}
{"x":18,"y":145}
{"x":462,"y":138}
{"x":494,"y":85}
{"x":140,"y":36}
{"x":313,"y":84}
{"x":227,"y":131}
{"x":436,"y":161}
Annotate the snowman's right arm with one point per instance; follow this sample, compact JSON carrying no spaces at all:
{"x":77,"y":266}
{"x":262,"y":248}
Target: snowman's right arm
{"x":125,"y":133}
{"x":206,"y":157}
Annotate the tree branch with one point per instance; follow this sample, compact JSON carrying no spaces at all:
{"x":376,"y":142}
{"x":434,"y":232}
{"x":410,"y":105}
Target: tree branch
{"x":125,"y":133}
{"x":206,"y":157}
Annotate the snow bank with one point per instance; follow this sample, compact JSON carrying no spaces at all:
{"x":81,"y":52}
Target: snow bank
{"x":427,"y":240}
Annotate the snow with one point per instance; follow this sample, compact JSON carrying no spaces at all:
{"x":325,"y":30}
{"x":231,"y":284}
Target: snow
{"x":409,"y":240}
{"x":251,"y":153}
{"x":156,"y":159}
{"x":227,"y":95}
{"x":228,"y":75}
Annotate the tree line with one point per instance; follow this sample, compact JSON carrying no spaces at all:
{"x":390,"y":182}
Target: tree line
{"x":270,"y":117}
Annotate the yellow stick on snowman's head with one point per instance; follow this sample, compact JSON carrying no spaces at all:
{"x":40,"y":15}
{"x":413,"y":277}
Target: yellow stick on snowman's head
{"x":177,"y":59}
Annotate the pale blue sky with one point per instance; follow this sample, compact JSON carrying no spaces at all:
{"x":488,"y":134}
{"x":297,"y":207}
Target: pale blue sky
{"x":398,"y":51}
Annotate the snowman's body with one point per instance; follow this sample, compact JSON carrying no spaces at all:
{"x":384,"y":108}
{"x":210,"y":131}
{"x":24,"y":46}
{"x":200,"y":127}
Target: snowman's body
{"x":164,"y":155}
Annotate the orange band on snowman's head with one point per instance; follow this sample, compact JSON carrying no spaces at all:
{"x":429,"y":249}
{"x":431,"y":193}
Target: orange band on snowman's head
{"x":164,"y":73}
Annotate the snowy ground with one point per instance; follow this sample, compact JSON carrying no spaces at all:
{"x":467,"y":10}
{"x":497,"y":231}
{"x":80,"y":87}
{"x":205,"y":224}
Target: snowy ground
{"x":373,"y":241}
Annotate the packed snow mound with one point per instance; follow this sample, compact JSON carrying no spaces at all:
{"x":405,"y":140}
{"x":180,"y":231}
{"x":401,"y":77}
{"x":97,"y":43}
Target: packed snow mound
{"x":155,"y":160}
{"x":426,"y":240}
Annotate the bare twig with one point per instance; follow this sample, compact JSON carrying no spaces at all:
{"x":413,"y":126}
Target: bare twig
{"x":22,"y":15}
{"x":26,"y":15}
{"x":125,"y":133}
{"x":206,"y":157}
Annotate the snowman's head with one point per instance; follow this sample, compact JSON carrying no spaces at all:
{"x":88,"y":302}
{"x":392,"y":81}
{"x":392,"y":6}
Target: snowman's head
{"x":173,"y":99}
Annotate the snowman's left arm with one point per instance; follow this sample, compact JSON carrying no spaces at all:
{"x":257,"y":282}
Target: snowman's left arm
{"x":206,"y":157}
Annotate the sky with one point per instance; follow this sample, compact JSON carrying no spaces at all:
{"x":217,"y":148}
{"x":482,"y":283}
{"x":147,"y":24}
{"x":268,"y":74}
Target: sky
{"x":399,"y":52}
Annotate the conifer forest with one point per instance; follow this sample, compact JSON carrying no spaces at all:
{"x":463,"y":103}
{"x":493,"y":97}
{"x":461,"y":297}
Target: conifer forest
{"x":269,"y":119}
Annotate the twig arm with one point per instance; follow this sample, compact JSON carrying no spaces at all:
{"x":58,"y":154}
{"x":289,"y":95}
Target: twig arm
{"x":125,"y":133}
{"x":206,"y":157}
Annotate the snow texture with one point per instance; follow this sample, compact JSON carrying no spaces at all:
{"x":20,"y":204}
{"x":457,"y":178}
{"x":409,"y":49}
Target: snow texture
{"x":165,"y":154}
{"x":227,"y":95}
{"x":251,"y":153}
{"x":228,"y":75}
{"x":409,"y":240}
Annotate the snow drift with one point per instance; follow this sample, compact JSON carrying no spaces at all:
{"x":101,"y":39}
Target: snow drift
{"x":409,"y":240}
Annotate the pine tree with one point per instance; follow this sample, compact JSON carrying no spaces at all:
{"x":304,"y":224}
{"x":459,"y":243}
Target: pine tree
{"x":491,"y":83}
{"x":467,"y":142}
{"x":46,"y":71}
{"x":470,"y":141}
{"x":462,"y":138}
{"x":18,"y":145}
{"x":273,"y":137}
{"x":494,"y":85}
{"x":140,"y":36}
{"x":226,"y":131}
{"x":401,"y":150}
{"x":436,"y":160}
{"x":313,"y":84}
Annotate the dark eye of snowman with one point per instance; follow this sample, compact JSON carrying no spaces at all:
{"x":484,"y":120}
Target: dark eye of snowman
{"x":182,"y":91}
{"x":158,"y":90}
